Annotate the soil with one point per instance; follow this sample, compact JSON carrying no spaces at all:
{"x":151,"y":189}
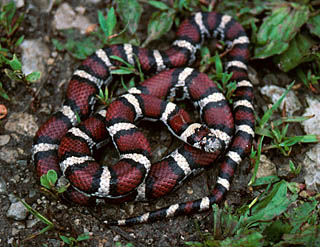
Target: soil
{"x":70,"y":219}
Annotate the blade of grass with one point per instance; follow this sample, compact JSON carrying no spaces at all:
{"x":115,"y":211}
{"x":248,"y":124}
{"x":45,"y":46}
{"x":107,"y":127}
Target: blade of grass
{"x":257,"y":162}
{"x":269,"y":112}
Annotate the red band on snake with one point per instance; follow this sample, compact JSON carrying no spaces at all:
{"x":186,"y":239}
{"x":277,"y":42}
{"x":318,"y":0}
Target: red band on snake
{"x":133,"y":177}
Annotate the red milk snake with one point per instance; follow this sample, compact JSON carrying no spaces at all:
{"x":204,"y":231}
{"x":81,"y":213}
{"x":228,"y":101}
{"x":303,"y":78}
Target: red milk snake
{"x":133,"y":177}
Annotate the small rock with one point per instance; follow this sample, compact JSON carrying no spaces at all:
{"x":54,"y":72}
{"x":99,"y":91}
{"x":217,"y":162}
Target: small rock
{"x":3,"y":186}
{"x":32,"y":222}
{"x":275,"y":92}
{"x":9,"y":155}
{"x":19,"y":3}
{"x":284,"y":170}
{"x":13,"y":198}
{"x":116,"y":238}
{"x":312,"y":158}
{"x":17,"y":227}
{"x":32,"y":193}
{"x":4,"y":139}
{"x":66,"y":18}
{"x":311,"y":126}
{"x":17,"y":211}
{"x":159,"y":151}
{"x":312,"y":168}
{"x":253,"y":76}
{"x":10,"y":241}
{"x":54,"y":242}
{"x":22,"y":123}
{"x":77,"y":222}
{"x":34,"y":55}
{"x":43,"y":5}
{"x":22,"y":163}
{"x":81,"y":10}
{"x":266,"y":167}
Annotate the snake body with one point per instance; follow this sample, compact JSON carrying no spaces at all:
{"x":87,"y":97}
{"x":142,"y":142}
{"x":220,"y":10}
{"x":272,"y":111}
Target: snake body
{"x":66,"y":147}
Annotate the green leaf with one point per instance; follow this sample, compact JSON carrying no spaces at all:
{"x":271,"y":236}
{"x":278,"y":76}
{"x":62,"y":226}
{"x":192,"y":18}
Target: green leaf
{"x":159,"y":5}
{"x":130,"y":11}
{"x":309,"y":236}
{"x":33,"y":76}
{"x":111,"y":21}
{"x":286,"y":19}
{"x":257,"y":162}
{"x":265,"y":180}
{"x":59,"y":46}
{"x":83,"y":236}
{"x":314,"y":25}
{"x":52,"y":177}
{"x":301,"y":214}
{"x":14,"y":63}
{"x":272,"y":205}
{"x":122,"y":71}
{"x":9,"y":10}
{"x":65,"y":239}
{"x":14,"y":75}
{"x":218,"y":63}
{"x":159,"y":24}
{"x":103,"y":23}
{"x":62,"y":189}
{"x":298,"y":52}
{"x":251,"y":239}
{"x":44,"y":181}
{"x":122,"y":61}
{"x":19,"y":41}
{"x":3,"y":94}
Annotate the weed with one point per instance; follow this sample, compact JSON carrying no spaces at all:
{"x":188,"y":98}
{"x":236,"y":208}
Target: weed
{"x":9,"y":62}
{"x":49,"y":180}
{"x":72,"y":242}
{"x":277,"y":130}
{"x":267,"y":221}
{"x":49,"y":223}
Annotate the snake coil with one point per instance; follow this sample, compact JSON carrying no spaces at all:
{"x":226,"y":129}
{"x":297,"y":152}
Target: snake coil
{"x":66,"y":147}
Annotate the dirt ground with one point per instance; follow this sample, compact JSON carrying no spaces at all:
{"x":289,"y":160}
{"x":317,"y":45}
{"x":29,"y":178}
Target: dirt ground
{"x":18,"y":171}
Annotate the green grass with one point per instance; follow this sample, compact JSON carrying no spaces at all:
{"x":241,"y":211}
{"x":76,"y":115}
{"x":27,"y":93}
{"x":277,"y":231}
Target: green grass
{"x":10,"y":64}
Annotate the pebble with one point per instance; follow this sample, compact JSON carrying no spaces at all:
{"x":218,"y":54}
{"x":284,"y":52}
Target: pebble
{"x":266,"y":167}
{"x":17,"y":227}
{"x":9,"y":155}
{"x":32,"y":222}
{"x":22,"y":123}
{"x":275,"y":92}
{"x":4,"y":139}
{"x":43,"y":5}
{"x":34,"y":55}
{"x":54,"y":243}
{"x":65,"y":18}
{"x":311,"y":126}
{"x":116,"y":238}
{"x":32,"y":193}
{"x":13,"y":198}
{"x":3,"y":186}
{"x":311,"y":166}
{"x":17,"y":211}
{"x":311,"y":163}
{"x":22,"y":163}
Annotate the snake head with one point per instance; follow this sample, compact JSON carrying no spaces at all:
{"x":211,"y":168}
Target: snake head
{"x":204,"y":139}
